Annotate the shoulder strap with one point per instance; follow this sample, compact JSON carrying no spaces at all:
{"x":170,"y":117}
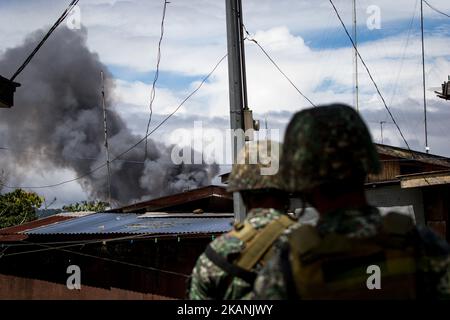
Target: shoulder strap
{"x":263,"y":241}
{"x":233,"y":270}
{"x":304,"y":239}
{"x":243,"y":231}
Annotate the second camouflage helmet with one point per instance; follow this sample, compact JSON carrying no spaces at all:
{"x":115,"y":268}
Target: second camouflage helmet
{"x":257,"y":167}
{"x":325,"y":145}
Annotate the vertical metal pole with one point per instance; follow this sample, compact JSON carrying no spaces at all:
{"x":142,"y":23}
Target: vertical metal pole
{"x":355,"y":39}
{"x":242,"y":53}
{"x":267,"y":129}
{"x":105,"y":127}
{"x":236,"y":87}
{"x":427,"y":149}
{"x":381,"y":127}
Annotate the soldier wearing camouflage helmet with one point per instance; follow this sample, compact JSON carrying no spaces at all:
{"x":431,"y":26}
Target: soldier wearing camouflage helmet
{"x":327,"y":155}
{"x":227,"y":269}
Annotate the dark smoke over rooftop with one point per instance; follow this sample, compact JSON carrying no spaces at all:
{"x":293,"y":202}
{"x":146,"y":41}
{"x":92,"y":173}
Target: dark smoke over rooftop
{"x":57,"y":120}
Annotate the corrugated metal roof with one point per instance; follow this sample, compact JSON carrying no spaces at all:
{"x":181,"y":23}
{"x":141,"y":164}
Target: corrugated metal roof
{"x":183,"y":199}
{"x":413,"y":155}
{"x":184,"y":215}
{"x":15,"y":233}
{"x":34,"y":224}
{"x":130,"y":223}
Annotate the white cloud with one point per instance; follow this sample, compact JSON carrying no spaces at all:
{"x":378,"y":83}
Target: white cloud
{"x":137,"y":95}
{"x":125,"y":33}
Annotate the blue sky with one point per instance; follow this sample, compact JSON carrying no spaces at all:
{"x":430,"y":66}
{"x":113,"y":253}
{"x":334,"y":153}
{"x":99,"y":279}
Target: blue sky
{"x":304,"y":37}
{"x":170,"y":79}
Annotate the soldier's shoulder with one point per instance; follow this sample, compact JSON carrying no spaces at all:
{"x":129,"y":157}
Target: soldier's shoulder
{"x":260,"y":217}
{"x":227,"y":244}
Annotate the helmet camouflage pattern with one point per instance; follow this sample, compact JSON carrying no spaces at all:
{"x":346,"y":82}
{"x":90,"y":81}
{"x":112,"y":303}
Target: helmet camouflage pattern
{"x":257,"y":167}
{"x":324,"y":145}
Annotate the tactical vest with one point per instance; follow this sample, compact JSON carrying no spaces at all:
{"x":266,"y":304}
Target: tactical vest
{"x":258,"y":248}
{"x":337,"y":267}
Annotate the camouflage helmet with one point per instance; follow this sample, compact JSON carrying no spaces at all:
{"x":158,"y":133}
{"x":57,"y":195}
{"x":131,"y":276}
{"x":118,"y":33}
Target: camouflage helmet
{"x":257,"y":167}
{"x":324,"y":145}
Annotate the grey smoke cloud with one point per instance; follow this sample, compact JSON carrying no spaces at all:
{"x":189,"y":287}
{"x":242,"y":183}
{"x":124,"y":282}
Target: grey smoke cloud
{"x":57,"y":122}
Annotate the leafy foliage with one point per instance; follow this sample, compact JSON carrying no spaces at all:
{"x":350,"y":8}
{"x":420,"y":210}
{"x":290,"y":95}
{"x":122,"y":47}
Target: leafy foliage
{"x":3,"y":179}
{"x":18,"y":207}
{"x":95,"y":206}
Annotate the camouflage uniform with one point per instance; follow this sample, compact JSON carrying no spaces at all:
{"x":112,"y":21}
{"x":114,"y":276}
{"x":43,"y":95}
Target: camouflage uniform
{"x":272,"y":282}
{"x":210,"y":281}
{"x":331,"y":144}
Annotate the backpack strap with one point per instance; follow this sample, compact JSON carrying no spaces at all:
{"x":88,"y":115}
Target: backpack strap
{"x":257,"y":244}
{"x":262,"y":242}
{"x":243,"y":231}
{"x":230,"y":268}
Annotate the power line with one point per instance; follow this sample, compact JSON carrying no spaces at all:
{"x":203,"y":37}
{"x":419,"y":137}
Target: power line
{"x":46,"y":248}
{"x":153,"y":91}
{"x":404,"y":53}
{"x":142,"y":162}
{"x":370,"y":75}
{"x":175,"y":110}
{"x":116,"y":158}
{"x":49,"y":32}
{"x":46,"y":154}
{"x":129,"y":264}
{"x":72,"y":244}
{"x":276,"y":66}
{"x":56,"y":184}
{"x":435,"y":9}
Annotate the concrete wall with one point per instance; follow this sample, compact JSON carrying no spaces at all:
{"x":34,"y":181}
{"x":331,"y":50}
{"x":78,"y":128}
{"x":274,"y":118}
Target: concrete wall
{"x":382,"y":197}
{"x":394,"y":196}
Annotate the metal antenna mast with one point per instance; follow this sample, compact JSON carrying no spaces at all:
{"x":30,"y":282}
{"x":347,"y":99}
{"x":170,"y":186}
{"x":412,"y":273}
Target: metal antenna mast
{"x":381,"y":127}
{"x":355,"y":39}
{"x":267,"y":129}
{"x":427,"y":149}
{"x":105,"y":126}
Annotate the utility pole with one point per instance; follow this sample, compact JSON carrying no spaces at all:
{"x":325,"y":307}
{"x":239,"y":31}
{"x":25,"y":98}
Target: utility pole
{"x":355,"y":40}
{"x":105,"y":127}
{"x":427,"y":149}
{"x":237,"y":86}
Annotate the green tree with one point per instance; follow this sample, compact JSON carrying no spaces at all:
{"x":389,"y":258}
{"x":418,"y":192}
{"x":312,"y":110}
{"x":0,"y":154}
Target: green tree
{"x":95,"y":206}
{"x":18,"y":207}
{"x":3,"y":180}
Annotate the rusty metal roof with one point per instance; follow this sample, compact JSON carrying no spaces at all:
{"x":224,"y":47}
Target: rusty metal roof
{"x":413,"y":155}
{"x":15,"y":233}
{"x":219,"y":201}
{"x":131,"y":223}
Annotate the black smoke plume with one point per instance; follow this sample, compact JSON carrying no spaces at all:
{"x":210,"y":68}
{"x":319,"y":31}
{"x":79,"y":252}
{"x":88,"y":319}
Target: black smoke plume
{"x":57,"y":121}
